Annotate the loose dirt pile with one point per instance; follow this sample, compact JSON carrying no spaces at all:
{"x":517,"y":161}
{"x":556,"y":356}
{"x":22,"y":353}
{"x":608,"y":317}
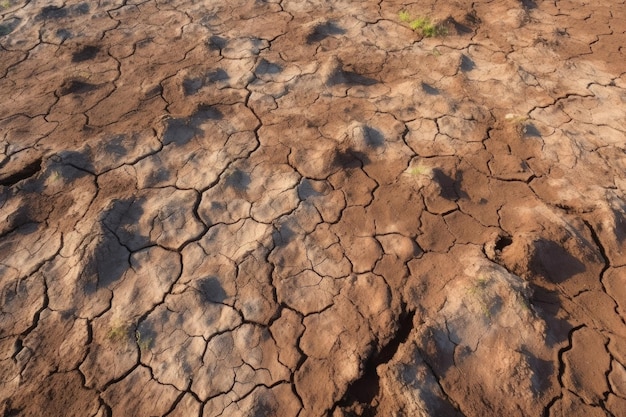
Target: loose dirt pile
{"x":307,"y":208}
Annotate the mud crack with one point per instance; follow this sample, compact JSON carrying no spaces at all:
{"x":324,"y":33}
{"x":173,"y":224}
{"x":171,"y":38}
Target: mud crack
{"x":364,"y":390}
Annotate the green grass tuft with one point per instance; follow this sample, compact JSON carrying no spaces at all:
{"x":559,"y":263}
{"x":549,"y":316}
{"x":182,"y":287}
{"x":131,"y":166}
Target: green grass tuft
{"x":404,"y":16}
{"x":428,"y":28}
{"x":118,"y":332}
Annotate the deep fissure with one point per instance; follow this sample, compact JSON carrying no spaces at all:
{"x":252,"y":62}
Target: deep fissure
{"x":366,"y":388}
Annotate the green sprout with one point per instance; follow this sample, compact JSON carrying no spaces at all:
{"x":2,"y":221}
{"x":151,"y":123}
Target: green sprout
{"x":478,"y":290}
{"x":118,"y":332}
{"x":404,"y":16}
{"x":422,"y":24}
{"x":419,"y":170}
{"x":144,"y":344}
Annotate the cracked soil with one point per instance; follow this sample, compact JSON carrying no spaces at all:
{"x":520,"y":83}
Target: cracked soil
{"x":305,"y":208}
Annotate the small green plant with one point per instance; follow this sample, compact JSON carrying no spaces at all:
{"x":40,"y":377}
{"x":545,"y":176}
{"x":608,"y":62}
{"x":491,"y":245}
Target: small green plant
{"x":523,"y":302}
{"x":479,"y":291}
{"x":5,"y":4}
{"x":55,"y":175}
{"x":420,"y":23}
{"x":404,"y":16}
{"x":518,"y":121}
{"x":419,"y":170}
{"x":144,"y":344}
{"x":118,"y":332}
{"x":428,"y":28}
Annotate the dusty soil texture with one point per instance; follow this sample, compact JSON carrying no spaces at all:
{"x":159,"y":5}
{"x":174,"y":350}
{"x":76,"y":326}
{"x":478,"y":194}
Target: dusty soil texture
{"x":305,"y":208}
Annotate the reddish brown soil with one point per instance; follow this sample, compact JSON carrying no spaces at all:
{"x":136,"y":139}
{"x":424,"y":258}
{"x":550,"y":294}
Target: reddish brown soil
{"x":306,"y":208}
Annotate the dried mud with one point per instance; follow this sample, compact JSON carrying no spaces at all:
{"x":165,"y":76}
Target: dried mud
{"x":306,"y":208}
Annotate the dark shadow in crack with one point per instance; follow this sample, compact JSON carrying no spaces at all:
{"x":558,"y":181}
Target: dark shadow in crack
{"x":217,"y":43}
{"x":123,"y":219}
{"x":472,"y":18}
{"x":502,"y":241}
{"x":218,"y":75}
{"x":542,"y":370}
{"x":306,"y":189}
{"x":373,"y":137}
{"x":26,"y":171}
{"x":65,"y":167}
{"x":79,"y":9}
{"x":556,"y":265}
{"x":263,"y":409}
{"x":192,"y":85}
{"x":459,"y":28}
{"x":116,"y":145}
{"x":283,"y":235}
{"x":21,"y":223}
{"x":106,"y":259}
{"x":179,"y":132}
{"x":211,"y":290}
{"x":429,"y":89}
{"x":324,"y":30}
{"x":349,"y":78}
{"x":619,"y":223}
{"x":63,"y":34}
{"x":76,"y":86}
{"x":237,"y":179}
{"x":528,"y":4}
{"x":365,"y":389}
{"x":52,"y":12}
{"x":467,"y":64}
{"x":530,"y":130}
{"x":30,"y":181}
{"x":9,"y":411}
{"x":554,"y":262}
{"x":547,"y":305}
{"x":350,"y":158}
{"x":106,"y":262}
{"x":204,"y":113}
{"x":438,"y":349}
{"x":87,"y":53}
{"x":267,"y":68}
{"x":450,"y":188}
{"x":71,"y":160}
{"x":159,"y":174}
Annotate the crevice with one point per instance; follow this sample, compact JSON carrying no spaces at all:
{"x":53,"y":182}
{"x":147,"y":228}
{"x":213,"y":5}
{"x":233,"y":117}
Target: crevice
{"x":502,"y":242}
{"x":605,"y":268}
{"x":107,"y":409}
{"x":548,"y":407}
{"x":565,"y":349}
{"x":175,"y":403}
{"x":22,"y":174}
{"x":447,"y":398}
{"x":365,"y":389}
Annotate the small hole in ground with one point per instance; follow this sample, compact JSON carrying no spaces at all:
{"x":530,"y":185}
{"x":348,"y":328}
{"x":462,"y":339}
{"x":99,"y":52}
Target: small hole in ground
{"x":502,"y":242}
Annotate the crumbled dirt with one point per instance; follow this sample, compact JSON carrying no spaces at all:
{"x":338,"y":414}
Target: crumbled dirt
{"x":307,"y":208}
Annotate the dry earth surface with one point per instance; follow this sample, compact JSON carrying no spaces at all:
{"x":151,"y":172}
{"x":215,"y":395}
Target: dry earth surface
{"x":305,"y":208}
